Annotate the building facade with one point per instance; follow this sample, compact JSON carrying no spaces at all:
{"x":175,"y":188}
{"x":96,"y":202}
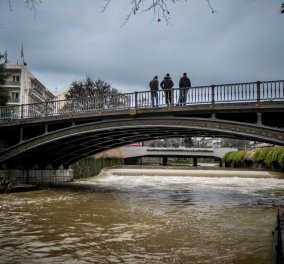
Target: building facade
{"x":24,"y":87}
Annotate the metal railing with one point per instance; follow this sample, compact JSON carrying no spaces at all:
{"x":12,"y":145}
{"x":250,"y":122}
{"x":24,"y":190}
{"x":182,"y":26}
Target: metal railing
{"x":180,"y":149}
{"x":14,"y":83}
{"x":278,"y":246}
{"x":225,"y":93}
{"x":14,"y":100}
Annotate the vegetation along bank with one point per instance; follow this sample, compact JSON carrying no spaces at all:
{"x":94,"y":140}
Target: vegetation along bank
{"x":262,"y":158}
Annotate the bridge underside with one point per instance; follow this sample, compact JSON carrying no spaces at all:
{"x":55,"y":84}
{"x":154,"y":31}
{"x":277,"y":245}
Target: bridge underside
{"x":62,"y":144}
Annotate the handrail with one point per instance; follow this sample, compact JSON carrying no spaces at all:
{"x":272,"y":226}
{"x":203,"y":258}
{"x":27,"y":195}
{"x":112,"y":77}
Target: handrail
{"x":181,"y":149}
{"x":278,"y":246}
{"x":253,"y":92}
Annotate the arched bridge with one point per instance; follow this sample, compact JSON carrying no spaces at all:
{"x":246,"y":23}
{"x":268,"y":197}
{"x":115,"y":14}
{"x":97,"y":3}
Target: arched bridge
{"x":131,"y":152}
{"x":58,"y":133}
{"x":134,"y":154}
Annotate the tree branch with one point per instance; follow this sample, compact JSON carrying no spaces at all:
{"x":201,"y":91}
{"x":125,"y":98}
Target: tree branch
{"x":160,"y":8}
{"x":210,"y":6}
{"x":30,"y":4}
{"x":106,"y":5}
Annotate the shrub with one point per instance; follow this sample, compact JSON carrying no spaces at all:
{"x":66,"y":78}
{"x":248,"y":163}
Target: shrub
{"x":228,"y":157}
{"x":260,"y":155}
{"x":239,"y":156}
{"x":274,"y":156}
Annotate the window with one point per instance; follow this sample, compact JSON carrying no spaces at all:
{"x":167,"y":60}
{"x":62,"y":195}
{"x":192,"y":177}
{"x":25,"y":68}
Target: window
{"x":16,"y":78}
{"x":15,"y":95}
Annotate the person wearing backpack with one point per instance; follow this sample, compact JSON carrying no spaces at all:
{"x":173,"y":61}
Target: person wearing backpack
{"x":154,"y":87}
{"x":167,"y":85}
{"x":184,"y":85}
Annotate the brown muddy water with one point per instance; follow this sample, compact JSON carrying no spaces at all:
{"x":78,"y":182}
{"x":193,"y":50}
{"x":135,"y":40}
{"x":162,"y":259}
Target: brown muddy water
{"x":136,"y":216}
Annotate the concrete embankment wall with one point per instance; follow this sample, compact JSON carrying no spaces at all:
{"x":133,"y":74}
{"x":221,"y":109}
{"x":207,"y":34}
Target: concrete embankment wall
{"x":38,"y":176}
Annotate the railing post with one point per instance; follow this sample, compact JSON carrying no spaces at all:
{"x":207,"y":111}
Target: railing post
{"x":46,"y":108}
{"x":212,"y":94}
{"x":258,"y":91}
{"x":136,"y":100}
{"x":73,"y":106}
{"x":22,"y":111}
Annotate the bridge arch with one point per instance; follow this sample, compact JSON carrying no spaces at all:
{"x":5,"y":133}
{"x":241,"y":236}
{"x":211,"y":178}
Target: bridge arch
{"x":70,"y":144}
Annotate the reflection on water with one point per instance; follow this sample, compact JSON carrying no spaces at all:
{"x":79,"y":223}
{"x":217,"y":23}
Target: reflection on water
{"x":143,"y":219}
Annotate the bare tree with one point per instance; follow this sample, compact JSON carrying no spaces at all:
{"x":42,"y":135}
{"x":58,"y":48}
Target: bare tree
{"x":160,"y":8}
{"x":88,"y":87}
{"x":94,"y":94}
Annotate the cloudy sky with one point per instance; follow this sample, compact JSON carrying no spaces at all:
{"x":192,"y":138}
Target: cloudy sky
{"x":68,"y":39}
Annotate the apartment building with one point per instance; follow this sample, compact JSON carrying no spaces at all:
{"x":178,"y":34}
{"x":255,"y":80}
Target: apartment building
{"x":61,"y":94}
{"x":24,"y":87}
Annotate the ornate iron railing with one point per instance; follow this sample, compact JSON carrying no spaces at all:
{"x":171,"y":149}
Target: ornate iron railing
{"x":214,"y":94}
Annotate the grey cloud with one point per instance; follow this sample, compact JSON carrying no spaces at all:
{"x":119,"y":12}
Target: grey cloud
{"x":243,"y":41}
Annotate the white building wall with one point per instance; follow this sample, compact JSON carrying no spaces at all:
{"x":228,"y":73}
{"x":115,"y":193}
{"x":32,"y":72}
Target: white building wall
{"x":30,"y":89}
{"x":25,"y":85}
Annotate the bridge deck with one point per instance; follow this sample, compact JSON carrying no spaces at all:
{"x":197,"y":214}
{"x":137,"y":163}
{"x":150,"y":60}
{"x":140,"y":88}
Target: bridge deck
{"x":250,"y":95}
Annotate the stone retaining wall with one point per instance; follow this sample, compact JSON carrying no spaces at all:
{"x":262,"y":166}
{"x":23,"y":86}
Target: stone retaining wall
{"x":38,"y":176}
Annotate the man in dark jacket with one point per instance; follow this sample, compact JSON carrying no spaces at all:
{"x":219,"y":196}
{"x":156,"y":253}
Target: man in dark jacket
{"x":167,"y":85}
{"x":184,"y":85}
{"x":154,"y":87}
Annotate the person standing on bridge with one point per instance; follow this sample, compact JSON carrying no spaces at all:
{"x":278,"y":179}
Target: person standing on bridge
{"x":167,"y":85}
{"x":154,"y":87}
{"x":184,"y":85}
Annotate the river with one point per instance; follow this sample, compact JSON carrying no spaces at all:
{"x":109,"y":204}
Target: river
{"x":144,"y":216}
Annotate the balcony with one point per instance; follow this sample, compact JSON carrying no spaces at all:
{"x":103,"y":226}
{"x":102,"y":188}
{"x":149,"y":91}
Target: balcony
{"x":14,"y":83}
{"x":39,"y":95}
{"x":14,"y":100}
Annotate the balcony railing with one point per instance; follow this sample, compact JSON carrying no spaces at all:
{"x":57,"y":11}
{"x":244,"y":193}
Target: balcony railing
{"x":215,"y":94}
{"x":14,"y":83}
{"x":39,"y":95}
{"x":14,"y":100}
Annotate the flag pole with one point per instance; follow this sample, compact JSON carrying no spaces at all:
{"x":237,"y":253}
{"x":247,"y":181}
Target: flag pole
{"x":22,"y":54}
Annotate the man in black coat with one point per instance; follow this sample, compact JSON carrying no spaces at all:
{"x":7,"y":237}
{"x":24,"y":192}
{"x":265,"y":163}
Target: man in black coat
{"x":184,"y":85}
{"x":167,"y":85}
